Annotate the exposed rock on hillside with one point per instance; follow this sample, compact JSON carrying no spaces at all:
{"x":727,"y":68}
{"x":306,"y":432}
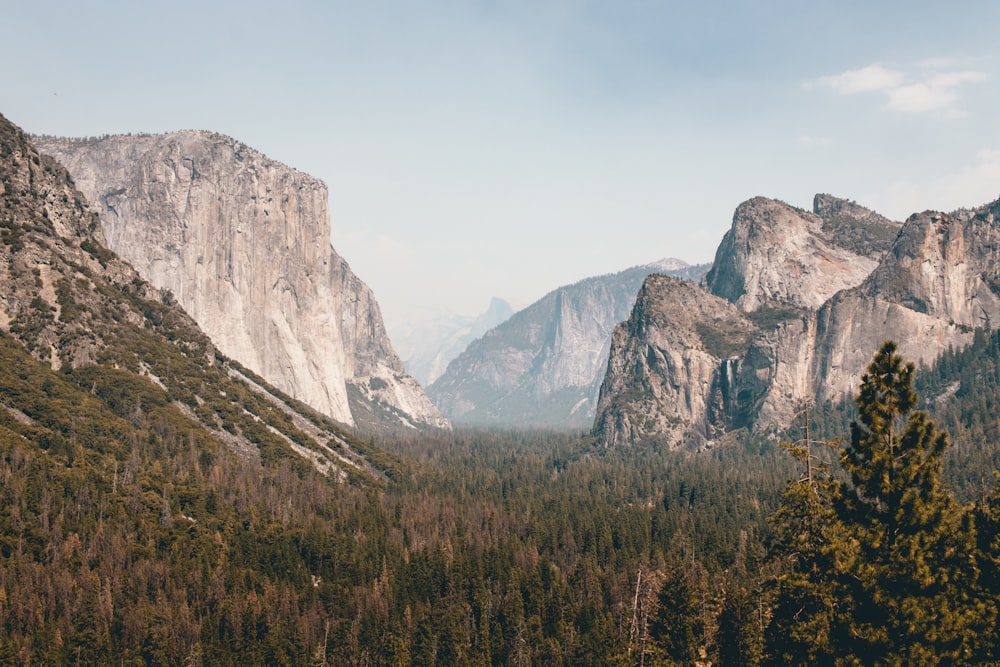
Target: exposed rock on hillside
{"x":544,"y":365}
{"x":242,"y":242}
{"x":673,"y":367}
{"x":939,"y":282}
{"x":823,"y":291}
{"x":776,"y":253}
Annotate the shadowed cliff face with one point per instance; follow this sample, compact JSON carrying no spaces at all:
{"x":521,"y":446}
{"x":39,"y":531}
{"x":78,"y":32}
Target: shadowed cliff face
{"x":242,"y":242}
{"x":822,"y":290}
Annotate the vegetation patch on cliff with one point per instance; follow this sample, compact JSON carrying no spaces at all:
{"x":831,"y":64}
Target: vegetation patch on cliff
{"x":724,"y":338}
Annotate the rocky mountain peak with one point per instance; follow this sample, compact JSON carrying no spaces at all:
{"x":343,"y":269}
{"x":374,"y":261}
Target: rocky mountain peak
{"x":933,"y":281}
{"x":243,"y":243}
{"x":775,"y":253}
{"x":673,"y":367}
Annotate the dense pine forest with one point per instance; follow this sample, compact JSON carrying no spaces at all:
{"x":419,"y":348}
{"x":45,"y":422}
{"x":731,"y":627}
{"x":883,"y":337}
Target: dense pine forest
{"x":128,"y":538}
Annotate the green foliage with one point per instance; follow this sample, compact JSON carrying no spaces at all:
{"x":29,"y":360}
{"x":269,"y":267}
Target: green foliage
{"x":864,"y":237}
{"x":882,"y":564}
{"x":769,"y":316}
{"x":723,"y":339}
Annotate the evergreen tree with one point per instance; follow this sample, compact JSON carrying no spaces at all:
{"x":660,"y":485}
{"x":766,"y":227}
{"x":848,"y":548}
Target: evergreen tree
{"x":804,"y":596}
{"x":988,"y":544}
{"x":677,"y":629}
{"x":888,"y":577}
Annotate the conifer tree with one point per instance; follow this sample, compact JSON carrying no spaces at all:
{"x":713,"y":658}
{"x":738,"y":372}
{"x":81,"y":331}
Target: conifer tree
{"x":988,"y":544}
{"x":805,"y":597}
{"x":891,"y":575}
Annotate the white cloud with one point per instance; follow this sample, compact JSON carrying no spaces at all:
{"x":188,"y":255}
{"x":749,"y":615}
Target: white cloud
{"x":976,"y":184}
{"x":928,"y":90}
{"x":867,"y":79}
{"x":937,"y":93}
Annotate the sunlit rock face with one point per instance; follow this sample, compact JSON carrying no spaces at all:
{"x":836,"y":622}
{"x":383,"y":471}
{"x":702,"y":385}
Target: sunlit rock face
{"x":813,"y":295}
{"x":939,"y":282}
{"x":776,"y":253}
{"x":243,"y":243}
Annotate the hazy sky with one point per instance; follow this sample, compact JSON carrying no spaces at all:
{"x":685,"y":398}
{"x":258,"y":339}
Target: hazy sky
{"x":490,"y":148}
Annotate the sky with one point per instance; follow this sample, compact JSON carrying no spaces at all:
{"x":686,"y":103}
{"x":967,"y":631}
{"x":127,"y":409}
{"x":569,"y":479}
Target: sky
{"x":485,"y":148}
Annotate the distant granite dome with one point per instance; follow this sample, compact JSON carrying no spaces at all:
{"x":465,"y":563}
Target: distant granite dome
{"x":543,"y":366}
{"x":243,"y":243}
{"x":815,"y":294}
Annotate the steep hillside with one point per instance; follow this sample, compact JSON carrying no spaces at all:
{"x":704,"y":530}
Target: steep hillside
{"x":243,"y":244}
{"x":137,"y":464}
{"x":544,"y":365}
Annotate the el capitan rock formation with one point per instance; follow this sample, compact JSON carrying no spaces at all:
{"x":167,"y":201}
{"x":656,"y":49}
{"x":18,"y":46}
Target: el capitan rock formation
{"x":243,"y":243}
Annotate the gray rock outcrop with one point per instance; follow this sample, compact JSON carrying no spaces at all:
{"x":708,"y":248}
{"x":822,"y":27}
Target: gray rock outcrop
{"x":822,"y":291}
{"x":776,"y":253}
{"x":672,"y":371}
{"x":243,"y":244}
{"x":940,"y":282}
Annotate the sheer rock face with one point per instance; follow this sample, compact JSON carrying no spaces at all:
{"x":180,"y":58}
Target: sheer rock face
{"x":776,"y":253}
{"x":243,"y":244}
{"x":544,"y":365}
{"x":672,"y":372}
{"x":932,"y":282}
{"x":937,"y":285}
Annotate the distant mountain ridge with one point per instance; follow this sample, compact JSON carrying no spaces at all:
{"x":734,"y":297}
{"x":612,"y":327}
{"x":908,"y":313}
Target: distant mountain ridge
{"x":243,"y":243}
{"x":794,"y":307}
{"x":428,"y":347}
{"x":543,"y":366}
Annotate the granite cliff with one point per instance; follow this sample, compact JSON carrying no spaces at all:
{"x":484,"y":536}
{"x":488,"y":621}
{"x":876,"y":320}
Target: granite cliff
{"x":128,"y":356}
{"x":670,"y":374}
{"x":543,"y":366}
{"x":776,"y":253}
{"x":812,"y":294}
{"x":940,"y":282}
{"x":242,"y":242}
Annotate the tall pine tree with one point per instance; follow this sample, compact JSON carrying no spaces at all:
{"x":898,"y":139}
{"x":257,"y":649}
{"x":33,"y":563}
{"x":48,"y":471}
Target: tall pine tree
{"x":889,"y":577}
